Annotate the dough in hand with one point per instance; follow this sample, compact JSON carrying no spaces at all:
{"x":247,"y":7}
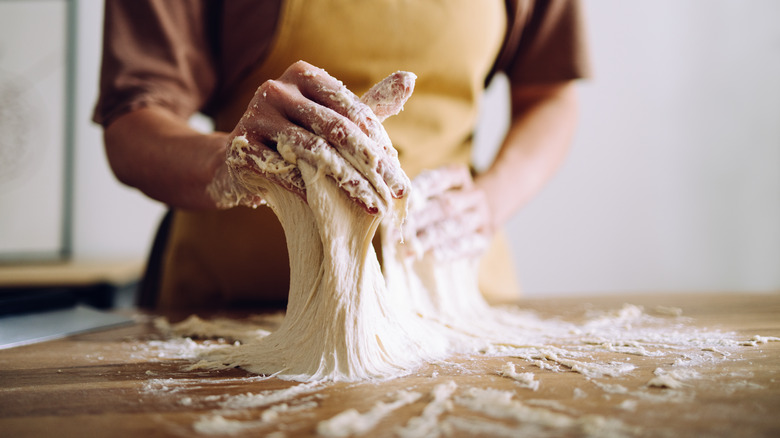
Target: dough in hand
{"x":345,"y":320}
{"x":339,"y":324}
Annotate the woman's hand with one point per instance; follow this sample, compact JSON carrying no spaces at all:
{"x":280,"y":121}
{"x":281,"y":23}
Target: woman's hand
{"x":305,"y":114}
{"x":448,"y":215}
{"x":308,"y":115}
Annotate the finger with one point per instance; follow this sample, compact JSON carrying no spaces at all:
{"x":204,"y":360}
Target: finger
{"x":455,"y":236}
{"x":449,"y":204}
{"x":388,"y":96}
{"x":295,"y":143}
{"x":317,"y":85}
{"x":452,"y":228}
{"x":271,"y":119}
{"x":352,"y":144}
{"x":386,"y":99}
{"x":466,"y":247}
{"x":433,"y":183}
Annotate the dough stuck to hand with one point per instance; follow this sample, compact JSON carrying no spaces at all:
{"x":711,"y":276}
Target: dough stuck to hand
{"x":345,"y":321}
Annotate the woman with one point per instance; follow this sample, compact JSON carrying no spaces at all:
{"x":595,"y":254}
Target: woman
{"x":163,"y":61}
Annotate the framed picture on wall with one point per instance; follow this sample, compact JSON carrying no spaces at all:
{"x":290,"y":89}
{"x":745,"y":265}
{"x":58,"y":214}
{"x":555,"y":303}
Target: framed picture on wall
{"x":36,"y":104}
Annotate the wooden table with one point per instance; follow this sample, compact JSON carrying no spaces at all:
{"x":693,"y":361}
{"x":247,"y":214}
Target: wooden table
{"x":123,"y":382}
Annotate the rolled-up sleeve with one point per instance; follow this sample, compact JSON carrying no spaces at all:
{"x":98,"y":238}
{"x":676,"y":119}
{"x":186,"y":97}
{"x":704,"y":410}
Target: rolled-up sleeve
{"x":155,"y":53}
{"x":552,"y":44}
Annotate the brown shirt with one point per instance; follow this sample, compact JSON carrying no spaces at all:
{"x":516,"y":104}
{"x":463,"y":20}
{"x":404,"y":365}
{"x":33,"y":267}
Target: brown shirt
{"x":186,"y":55}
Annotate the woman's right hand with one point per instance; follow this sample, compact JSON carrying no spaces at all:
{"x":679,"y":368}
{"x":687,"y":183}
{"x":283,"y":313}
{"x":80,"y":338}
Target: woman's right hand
{"x":308,"y":115}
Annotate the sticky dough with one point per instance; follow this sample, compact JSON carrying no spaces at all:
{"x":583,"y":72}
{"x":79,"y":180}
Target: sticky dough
{"x":339,"y":324}
{"x":345,"y":321}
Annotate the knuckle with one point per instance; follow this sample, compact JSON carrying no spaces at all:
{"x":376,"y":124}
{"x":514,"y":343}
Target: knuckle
{"x":299,"y":69}
{"x":271,"y":88}
{"x":299,"y":66}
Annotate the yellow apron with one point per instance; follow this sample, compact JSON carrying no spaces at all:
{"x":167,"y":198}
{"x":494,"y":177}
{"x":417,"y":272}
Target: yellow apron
{"x":229,"y":257}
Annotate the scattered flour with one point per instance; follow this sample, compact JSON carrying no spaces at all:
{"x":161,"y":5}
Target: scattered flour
{"x":756,"y":340}
{"x":500,"y":405}
{"x":249,"y":400}
{"x":526,"y":380}
{"x":628,"y":405}
{"x":611,"y":388}
{"x":665,"y":381}
{"x":501,"y":413}
{"x":219,"y":425}
{"x":672,"y":379}
{"x":351,"y":422}
{"x":221,"y":328}
{"x":427,"y":424}
{"x":554,"y":346}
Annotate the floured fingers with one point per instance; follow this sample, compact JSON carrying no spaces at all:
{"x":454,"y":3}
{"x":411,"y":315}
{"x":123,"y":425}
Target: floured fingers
{"x":388,"y":96}
{"x":448,"y":216}
{"x":451,"y":236}
{"x":295,"y":143}
{"x":351,"y":127}
{"x":432,"y":183}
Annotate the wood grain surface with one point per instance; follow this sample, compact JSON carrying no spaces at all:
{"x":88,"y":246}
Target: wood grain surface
{"x":127,"y":382}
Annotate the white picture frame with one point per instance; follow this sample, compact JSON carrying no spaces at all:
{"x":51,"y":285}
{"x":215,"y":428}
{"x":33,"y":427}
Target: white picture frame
{"x":36,"y":107}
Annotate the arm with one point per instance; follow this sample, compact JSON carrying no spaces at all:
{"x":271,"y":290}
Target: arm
{"x":160,"y":154}
{"x":305,"y":114}
{"x":543,"y":121}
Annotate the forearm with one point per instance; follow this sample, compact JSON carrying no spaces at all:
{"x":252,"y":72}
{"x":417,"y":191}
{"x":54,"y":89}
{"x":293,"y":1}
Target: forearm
{"x":543,"y":121}
{"x":160,"y":154}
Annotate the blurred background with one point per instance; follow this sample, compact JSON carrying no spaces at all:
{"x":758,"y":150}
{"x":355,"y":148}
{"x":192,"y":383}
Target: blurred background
{"x":672,"y":185}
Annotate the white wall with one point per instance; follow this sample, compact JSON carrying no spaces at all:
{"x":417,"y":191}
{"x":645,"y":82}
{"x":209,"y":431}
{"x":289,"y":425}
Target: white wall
{"x":32,"y":129}
{"x":110,"y":220}
{"x":673,"y":183}
{"x":674,"y":180}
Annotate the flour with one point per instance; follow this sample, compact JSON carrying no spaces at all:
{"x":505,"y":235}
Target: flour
{"x":671,"y":379}
{"x":351,"y":422}
{"x":249,"y":400}
{"x":628,"y":405}
{"x":525,"y":380}
{"x":553,"y":405}
{"x":274,"y":404}
{"x":501,"y":405}
{"x":427,"y":423}
{"x":554,"y":346}
{"x":219,"y":425}
{"x":757,"y":339}
{"x":221,"y":328}
{"x":665,"y":381}
{"x":611,"y":388}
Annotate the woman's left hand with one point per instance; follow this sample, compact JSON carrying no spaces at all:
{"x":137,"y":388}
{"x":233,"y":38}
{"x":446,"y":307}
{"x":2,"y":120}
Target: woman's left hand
{"x":448,"y":215}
